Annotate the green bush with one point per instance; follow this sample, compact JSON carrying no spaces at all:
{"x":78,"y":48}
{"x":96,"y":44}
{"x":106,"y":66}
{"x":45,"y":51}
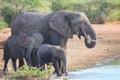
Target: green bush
{"x":98,"y":11}
{"x":28,"y":71}
{"x":90,"y":15}
{"x":3,"y":24}
{"x":8,"y":13}
{"x":100,"y":14}
{"x":114,"y":15}
{"x":61,"y":4}
{"x":44,"y":7}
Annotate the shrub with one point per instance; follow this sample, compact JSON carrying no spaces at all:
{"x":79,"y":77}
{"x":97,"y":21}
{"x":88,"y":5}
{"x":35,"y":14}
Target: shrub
{"x":8,"y":13}
{"x":114,"y":15}
{"x":61,"y":4}
{"x":3,"y":24}
{"x":99,"y":15}
{"x":90,"y":15}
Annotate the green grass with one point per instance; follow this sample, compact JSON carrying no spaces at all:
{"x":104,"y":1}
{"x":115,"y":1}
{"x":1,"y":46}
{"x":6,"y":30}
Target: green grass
{"x":115,"y":62}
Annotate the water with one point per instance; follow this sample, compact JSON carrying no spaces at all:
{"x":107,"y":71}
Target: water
{"x":109,"y":71}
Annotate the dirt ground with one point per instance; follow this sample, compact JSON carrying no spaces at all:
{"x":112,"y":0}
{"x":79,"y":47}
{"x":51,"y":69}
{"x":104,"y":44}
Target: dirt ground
{"x":78,"y":56}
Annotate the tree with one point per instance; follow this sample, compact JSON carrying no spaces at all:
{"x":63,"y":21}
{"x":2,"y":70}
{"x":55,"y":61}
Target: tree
{"x":14,"y":7}
{"x":61,"y":4}
{"x":20,"y":5}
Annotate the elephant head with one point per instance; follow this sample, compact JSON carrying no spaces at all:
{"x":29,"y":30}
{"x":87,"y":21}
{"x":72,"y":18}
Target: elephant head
{"x":70,"y":23}
{"x":29,"y":43}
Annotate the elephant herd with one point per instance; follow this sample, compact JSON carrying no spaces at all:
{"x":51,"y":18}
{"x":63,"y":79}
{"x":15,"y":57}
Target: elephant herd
{"x":41,"y":38}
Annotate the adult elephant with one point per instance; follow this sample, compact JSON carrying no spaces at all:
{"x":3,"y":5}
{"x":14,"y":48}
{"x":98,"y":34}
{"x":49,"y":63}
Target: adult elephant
{"x":56,"y":27}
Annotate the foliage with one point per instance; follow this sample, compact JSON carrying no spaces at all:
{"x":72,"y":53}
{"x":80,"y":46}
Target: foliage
{"x":44,"y":7}
{"x":114,"y":15}
{"x":99,"y":15}
{"x":8,"y":13}
{"x":98,"y":11}
{"x":26,"y":71}
{"x":20,"y":5}
{"x":3,"y":24}
{"x":11,"y":8}
{"x":61,"y":4}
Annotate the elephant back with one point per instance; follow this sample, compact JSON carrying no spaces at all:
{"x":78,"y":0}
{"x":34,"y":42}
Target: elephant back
{"x":29,"y":22}
{"x":56,"y":51}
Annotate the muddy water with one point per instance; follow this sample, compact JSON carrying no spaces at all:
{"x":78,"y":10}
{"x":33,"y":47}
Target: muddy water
{"x":108,"y":71}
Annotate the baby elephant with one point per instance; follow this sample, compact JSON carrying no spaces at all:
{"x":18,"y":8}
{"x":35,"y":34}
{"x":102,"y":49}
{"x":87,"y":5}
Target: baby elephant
{"x":48,"y":53}
{"x":13,"y":50}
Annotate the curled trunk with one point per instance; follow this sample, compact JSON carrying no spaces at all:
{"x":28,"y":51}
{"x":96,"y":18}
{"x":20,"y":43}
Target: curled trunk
{"x":89,"y":36}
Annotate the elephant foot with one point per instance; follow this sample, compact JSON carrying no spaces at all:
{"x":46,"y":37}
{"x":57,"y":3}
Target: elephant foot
{"x":59,"y":75}
{"x":5,"y":70}
{"x":64,"y":74}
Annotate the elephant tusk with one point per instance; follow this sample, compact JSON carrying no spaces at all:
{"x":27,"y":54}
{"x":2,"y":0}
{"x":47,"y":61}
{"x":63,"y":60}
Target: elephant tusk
{"x":89,"y":38}
{"x":93,"y":40}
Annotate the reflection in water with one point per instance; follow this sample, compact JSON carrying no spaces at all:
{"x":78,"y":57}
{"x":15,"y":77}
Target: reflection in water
{"x":110,"y":71}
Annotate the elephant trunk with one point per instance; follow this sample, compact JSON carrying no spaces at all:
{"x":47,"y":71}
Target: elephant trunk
{"x":89,"y":35}
{"x":90,"y":41}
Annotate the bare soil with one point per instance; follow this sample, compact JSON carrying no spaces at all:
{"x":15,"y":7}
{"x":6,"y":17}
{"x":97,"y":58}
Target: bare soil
{"x":107,"y":47}
{"x":79,"y":56}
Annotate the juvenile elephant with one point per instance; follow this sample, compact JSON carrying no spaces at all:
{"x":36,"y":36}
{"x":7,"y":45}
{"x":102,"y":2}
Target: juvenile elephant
{"x":13,"y":50}
{"x":21,"y":46}
{"x":56,"y":27}
{"x":30,"y":43}
{"x":48,"y":53}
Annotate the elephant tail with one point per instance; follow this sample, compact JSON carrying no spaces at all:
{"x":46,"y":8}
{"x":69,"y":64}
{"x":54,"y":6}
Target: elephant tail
{"x":6,"y":51}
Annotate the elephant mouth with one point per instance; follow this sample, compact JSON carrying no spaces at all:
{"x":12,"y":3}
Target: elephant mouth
{"x":90,"y":40}
{"x":80,"y":33}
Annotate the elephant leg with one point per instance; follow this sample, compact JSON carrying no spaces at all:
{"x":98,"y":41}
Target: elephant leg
{"x":5,"y":64}
{"x":21,"y":63}
{"x":27,"y":58}
{"x":57,"y":39}
{"x":14,"y":64}
{"x":28,"y":62}
{"x":34,"y":60}
{"x":56,"y":66}
{"x":59,"y":66}
{"x":41,"y":65}
{"x":62,"y":67}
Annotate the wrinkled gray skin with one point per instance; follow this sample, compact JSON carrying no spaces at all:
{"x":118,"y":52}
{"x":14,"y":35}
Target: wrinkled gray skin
{"x":30,"y":43}
{"x":13,"y":50}
{"x":52,"y":54}
{"x":56,"y":27}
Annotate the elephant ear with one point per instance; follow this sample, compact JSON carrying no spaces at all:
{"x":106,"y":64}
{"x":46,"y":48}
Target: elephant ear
{"x":38,"y":39}
{"x":60,"y":23}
